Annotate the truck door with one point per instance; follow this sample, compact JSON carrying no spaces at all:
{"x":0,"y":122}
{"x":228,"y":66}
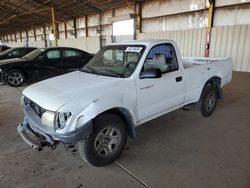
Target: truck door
{"x":157,"y":96}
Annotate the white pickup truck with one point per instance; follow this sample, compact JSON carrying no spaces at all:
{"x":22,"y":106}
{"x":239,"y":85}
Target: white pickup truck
{"x":123,"y":86}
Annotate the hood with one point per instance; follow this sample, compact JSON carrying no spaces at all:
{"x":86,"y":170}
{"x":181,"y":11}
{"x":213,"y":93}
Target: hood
{"x":79,"y":86}
{"x":14,"y":60}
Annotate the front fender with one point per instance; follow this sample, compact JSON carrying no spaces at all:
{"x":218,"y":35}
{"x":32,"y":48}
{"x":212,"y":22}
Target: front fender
{"x":85,"y":113}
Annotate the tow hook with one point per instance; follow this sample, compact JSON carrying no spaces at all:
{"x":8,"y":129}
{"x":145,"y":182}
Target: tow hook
{"x":52,"y":146}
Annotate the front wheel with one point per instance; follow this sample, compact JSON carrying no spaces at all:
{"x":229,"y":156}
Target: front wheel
{"x":208,"y":101}
{"x":107,"y":141}
{"x":15,"y":78}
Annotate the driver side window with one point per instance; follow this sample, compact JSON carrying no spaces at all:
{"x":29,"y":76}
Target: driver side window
{"x":161,"y":57}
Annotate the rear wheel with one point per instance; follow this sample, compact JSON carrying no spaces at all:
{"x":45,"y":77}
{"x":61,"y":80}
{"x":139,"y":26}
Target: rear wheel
{"x":208,"y":101}
{"x":15,"y":78}
{"x":107,"y":141}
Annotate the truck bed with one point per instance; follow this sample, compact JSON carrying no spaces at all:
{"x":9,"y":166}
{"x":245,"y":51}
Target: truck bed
{"x":198,"y":70}
{"x":193,"y":61}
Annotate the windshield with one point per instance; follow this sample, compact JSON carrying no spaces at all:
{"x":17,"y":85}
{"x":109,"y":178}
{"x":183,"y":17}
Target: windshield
{"x":34,"y":54}
{"x":117,"y":61}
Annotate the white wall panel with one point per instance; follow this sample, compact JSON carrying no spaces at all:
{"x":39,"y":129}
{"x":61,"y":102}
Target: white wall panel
{"x":89,"y":44}
{"x":62,"y":35}
{"x":167,"y":7}
{"x":191,"y":42}
{"x":61,"y":26}
{"x":226,"y":41}
{"x":16,"y":44}
{"x":38,"y":44}
{"x":93,"y":44}
{"x":70,"y":25}
{"x":229,"y":2}
{"x":93,"y":20}
{"x":122,"y":38}
{"x":80,"y":23}
{"x":107,"y":30}
{"x":106,"y":17}
{"x":92,"y":31}
{"x":234,"y":42}
{"x":81,"y":32}
{"x":79,"y":43}
{"x":39,"y":31}
{"x":178,"y":22}
{"x":123,"y":11}
{"x":232,"y":16}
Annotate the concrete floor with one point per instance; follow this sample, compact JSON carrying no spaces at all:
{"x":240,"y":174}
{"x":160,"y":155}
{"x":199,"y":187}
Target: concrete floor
{"x":180,"y":149}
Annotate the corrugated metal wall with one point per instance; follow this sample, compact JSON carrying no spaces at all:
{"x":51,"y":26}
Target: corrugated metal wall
{"x":191,"y":42}
{"x":234,"y":42}
{"x":226,"y":41}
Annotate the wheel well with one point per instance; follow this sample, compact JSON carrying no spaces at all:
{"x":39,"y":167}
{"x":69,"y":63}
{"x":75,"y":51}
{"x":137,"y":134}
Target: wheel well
{"x":215,"y":81}
{"x":126,"y":117}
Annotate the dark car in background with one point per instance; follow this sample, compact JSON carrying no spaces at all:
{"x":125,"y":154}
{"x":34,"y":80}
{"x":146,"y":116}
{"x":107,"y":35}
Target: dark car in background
{"x":16,"y":52}
{"x":41,"y":64}
{"x":3,"y":48}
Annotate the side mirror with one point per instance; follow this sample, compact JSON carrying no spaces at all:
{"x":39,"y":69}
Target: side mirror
{"x":41,"y":58}
{"x":151,"y":73}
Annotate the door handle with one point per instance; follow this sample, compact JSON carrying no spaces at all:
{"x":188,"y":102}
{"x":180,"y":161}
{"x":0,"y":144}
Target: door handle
{"x":178,"y":79}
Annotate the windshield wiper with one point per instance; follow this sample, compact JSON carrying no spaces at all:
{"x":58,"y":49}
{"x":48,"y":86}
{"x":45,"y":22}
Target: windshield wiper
{"x":89,"y":69}
{"x":113,"y":73}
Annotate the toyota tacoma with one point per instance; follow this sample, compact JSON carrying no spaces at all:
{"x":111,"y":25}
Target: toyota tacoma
{"x":124,"y":85}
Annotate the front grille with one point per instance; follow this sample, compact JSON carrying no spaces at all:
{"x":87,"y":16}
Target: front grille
{"x":37,"y":109}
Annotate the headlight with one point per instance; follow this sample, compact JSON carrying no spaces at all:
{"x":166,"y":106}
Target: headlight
{"x":49,"y":119}
{"x":62,"y":119}
{"x":22,"y":100}
{"x":0,"y":70}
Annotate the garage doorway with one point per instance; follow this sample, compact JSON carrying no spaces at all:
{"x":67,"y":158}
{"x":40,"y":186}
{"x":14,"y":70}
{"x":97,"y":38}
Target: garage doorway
{"x":123,"y":30}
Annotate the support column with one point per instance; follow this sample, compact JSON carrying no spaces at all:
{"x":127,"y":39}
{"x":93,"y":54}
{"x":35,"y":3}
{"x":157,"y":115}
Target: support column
{"x":15,"y":37}
{"x":100,"y":29}
{"x":86,"y":26}
{"x":75,"y":29}
{"x":45,"y":37}
{"x":27,"y":39}
{"x":209,"y":26}
{"x":65,"y":30}
{"x":54,"y":26}
{"x":35,"y":34}
{"x":21,"y":36}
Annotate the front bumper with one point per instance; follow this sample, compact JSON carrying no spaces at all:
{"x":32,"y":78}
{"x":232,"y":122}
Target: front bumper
{"x":35,"y":134}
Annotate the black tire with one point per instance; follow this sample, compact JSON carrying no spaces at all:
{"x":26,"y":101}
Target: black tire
{"x":15,"y":78}
{"x":208,"y":101}
{"x":106,"y":142}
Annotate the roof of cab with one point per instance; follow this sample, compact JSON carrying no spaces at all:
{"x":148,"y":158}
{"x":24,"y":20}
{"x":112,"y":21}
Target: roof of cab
{"x":148,"y":42}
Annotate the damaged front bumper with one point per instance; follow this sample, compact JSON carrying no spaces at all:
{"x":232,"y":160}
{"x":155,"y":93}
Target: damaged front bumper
{"x":35,"y":134}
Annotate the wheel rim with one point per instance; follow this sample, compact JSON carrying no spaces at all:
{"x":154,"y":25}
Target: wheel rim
{"x":107,"y":141}
{"x":15,"y":78}
{"x":210,"y":101}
